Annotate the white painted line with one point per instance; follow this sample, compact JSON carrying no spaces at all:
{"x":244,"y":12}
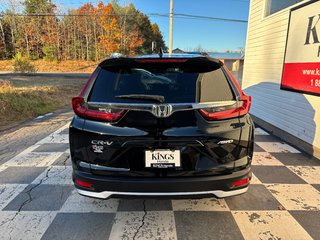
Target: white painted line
{"x":259,"y":131}
{"x":42,"y":116}
{"x":310,"y":174}
{"x":39,"y":117}
{"x":269,"y":225}
{"x":2,"y":168}
{"x":296,"y":196}
{"x":157,"y":225}
{"x":265,"y":159}
{"x":55,"y":138}
{"x":23,"y":153}
{"x":24,"y":225}
{"x":78,"y":203}
{"x":277,"y":147}
{"x":33,"y":159}
{"x":206,"y":204}
{"x":9,"y":192}
{"x":255,"y":180}
{"x":58,"y":175}
{"x":62,"y":128}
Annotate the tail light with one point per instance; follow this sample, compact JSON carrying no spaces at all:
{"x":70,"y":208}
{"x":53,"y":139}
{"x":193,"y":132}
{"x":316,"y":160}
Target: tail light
{"x":240,"y":109}
{"x":81,"y":110}
{"x":83,"y":183}
{"x":241,"y":182}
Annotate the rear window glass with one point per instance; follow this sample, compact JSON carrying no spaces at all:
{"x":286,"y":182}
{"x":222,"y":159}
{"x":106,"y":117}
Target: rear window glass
{"x":175,"y":84}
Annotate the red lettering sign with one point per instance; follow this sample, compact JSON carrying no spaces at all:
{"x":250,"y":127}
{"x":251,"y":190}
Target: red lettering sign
{"x":304,"y":77}
{"x":301,"y":68}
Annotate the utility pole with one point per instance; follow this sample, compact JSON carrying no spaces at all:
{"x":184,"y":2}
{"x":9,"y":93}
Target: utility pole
{"x":171,"y":27}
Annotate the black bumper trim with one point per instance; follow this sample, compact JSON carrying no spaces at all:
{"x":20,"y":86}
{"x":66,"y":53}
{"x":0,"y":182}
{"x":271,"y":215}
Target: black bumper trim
{"x":162,"y":184}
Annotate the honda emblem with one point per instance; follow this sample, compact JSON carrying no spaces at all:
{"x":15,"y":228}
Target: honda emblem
{"x":162,"y":111}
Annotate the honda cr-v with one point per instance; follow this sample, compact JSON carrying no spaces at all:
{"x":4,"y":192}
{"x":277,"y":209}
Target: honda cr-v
{"x":161,"y":126}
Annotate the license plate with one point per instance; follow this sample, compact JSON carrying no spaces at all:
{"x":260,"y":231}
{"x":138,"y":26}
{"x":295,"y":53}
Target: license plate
{"x":162,"y":158}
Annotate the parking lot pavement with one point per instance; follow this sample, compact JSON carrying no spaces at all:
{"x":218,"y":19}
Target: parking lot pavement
{"x":38,"y":201}
{"x":19,"y":136}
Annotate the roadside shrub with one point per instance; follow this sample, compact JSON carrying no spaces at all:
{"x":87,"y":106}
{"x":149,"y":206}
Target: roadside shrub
{"x":22,"y":64}
{"x":34,"y":56}
{"x":50,"y":53}
{"x":5,"y":86}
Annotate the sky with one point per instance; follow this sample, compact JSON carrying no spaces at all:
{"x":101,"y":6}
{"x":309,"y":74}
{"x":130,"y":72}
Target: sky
{"x":189,"y":34}
{"x":209,"y":35}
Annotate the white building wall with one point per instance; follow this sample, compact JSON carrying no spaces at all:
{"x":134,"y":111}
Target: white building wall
{"x":296,"y":113}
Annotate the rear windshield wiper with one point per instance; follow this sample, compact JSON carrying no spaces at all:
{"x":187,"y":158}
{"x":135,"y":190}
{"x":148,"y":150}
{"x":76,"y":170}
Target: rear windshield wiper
{"x":155,"y":98}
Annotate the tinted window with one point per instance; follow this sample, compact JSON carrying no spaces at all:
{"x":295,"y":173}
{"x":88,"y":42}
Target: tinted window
{"x":273,"y":6}
{"x":175,"y":84}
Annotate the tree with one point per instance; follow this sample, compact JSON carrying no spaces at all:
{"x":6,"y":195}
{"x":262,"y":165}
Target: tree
{"x":157,"y":36}
{"x":85,"y":24}
{"x":87,"y":33}
{"x":38,"y":6}
{"x":40,"y":31}
{"x":131,"y":37}
{"x":3,"y":38}
{"x":109,"y":40}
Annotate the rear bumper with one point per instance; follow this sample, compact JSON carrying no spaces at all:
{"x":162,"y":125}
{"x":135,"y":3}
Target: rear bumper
{"x":219,"y":186}
{"x":216,"y":193}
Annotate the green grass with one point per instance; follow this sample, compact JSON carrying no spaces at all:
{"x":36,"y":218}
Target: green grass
{"x":22,"y":98}
{"x":25,"y":104}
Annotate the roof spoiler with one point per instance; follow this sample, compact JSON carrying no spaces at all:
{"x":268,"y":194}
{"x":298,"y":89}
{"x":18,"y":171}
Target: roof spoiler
{"x":138,"y":62}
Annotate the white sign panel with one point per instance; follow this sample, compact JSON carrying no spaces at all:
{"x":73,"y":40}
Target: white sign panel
{"x":301,"y":69}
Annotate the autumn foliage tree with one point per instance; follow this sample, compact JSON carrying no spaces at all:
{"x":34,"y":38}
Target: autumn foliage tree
{"x":109,"y":40}
{"x":40,"y":33}
{"x":87,"y":33}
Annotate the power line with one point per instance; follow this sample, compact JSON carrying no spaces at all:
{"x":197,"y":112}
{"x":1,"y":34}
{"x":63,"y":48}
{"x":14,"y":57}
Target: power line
{"x":76,"y":15}
{"x":210,"y":18}
{"x":63,"y":5}
{"x":176,"y":15}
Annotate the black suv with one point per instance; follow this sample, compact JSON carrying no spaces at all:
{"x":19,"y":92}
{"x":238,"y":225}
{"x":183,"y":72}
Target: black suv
{"x":161,"y":126}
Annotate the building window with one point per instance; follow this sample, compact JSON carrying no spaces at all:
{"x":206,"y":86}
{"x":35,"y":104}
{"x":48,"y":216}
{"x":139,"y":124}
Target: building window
{"x":273,"y":6}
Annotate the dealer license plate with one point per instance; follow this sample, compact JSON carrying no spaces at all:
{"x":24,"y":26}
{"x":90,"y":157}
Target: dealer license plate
{"x":163,"y":158}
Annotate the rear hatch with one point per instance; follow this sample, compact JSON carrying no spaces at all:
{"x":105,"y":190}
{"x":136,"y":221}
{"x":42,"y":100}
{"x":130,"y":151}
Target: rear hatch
{"x":160,"y":117}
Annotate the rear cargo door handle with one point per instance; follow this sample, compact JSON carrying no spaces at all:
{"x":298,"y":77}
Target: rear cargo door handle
{"x":237,"y":125}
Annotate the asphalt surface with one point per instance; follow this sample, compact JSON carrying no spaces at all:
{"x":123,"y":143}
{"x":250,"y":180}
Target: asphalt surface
{"x":15,"y":138}
{"x":38,"y":200}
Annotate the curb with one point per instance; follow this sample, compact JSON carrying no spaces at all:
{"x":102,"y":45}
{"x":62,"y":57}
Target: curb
{"x":47,"y":74}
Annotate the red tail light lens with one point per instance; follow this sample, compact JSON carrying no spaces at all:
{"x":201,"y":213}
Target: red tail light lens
{"x":241,"y":182}
{"x":81,"y":110}
{"x":83,"y":183}
{"x":240,"y":110}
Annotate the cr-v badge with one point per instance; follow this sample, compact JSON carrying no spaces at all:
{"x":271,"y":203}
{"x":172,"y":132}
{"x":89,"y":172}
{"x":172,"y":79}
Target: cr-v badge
{"x":98,"y":145}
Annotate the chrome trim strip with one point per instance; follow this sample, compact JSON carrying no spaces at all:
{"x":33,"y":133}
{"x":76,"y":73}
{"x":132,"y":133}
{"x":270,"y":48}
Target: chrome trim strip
{"x":178,"y":106}
{"x":101,"y":168}
{"x":105,"y":168}
{"x":217,"y":193}
{"x":152,"y":108}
